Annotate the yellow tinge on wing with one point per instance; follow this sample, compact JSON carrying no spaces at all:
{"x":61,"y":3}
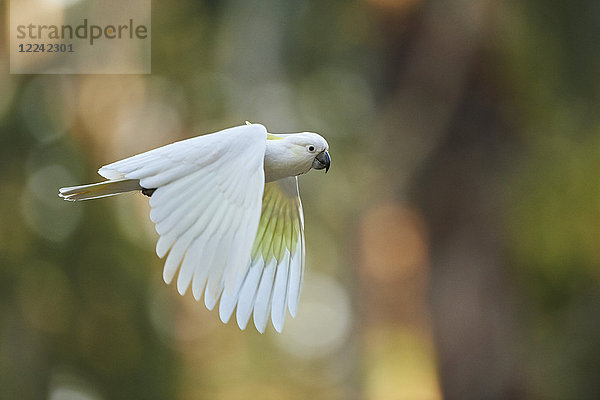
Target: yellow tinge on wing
{"x":279,"y":226}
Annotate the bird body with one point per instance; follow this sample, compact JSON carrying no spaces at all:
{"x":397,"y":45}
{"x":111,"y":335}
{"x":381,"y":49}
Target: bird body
{"x":227,"y":210}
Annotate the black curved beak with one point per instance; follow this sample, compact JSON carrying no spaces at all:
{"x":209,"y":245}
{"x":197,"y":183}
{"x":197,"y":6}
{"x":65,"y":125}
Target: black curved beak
{"x":322,"y":160}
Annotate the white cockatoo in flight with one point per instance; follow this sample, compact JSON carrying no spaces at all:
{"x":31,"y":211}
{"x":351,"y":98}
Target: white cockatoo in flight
{"x":228,"y":213}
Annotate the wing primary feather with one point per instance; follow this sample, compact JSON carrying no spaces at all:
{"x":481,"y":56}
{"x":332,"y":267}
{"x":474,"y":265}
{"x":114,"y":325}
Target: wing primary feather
{"x":189,"y":264}
{"x":263,"y":296}
{"x":228,"y":301}
{"x":302,"y":252}
{"x":163,"y":245}
{"x":295,"y":279}
{"x":212,"y":293}
{"x":280,"y":288}
{"x":284,"y":300}
{"x":248,"y":291}
{"x":202,"y":268}
{"x":297,"y":263}
{"x":237,"y":255}
{"x":280,"y":280}
{"x":176,"y":256}
{"x":215,"y":283}
{"x":296,"y":272}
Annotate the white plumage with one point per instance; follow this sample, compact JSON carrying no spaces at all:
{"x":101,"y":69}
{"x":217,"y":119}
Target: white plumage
{"x":227,"y":210}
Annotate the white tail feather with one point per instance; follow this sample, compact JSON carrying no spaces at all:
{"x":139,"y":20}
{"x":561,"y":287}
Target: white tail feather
{"x":101,"y":189}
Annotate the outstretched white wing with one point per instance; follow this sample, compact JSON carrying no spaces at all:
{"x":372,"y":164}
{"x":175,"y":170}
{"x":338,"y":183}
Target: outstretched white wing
{"x":206,"y":206}
{"x":273,"y":280}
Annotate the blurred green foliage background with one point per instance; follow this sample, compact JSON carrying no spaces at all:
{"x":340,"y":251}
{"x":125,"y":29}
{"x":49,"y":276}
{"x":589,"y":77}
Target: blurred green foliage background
{"x":453,"y":249}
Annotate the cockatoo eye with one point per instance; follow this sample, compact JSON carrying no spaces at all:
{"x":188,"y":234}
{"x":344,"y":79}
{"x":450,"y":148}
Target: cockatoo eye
{"x":310,"y":148}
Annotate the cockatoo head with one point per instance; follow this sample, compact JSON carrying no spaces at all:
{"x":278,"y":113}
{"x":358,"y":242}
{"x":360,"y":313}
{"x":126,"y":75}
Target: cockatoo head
{"x":295,"y":154}
{"x":312,"y":149}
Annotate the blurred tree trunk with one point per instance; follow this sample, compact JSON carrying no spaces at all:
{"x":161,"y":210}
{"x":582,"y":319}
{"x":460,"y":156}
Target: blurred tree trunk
{"x":455,"y":160}
{"x":462,"y":196}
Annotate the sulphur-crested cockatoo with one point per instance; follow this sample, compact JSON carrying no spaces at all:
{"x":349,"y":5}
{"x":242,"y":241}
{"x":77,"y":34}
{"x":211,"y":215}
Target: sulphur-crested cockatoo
{"x":227,"y":211}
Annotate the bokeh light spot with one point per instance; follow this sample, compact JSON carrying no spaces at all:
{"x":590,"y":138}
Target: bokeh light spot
{"x":45,"y":213}
{"x":323,"y":322}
